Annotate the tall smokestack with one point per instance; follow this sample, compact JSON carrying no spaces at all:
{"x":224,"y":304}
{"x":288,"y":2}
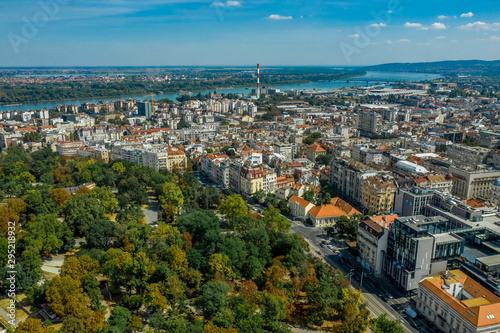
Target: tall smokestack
{"x":258,"y":80}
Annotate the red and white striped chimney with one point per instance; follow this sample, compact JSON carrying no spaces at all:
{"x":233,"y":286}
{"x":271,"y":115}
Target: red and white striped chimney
{"x":258,"y":80}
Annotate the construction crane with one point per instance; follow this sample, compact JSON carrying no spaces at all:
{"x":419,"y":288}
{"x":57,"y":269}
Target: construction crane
{"x":152,"y":104}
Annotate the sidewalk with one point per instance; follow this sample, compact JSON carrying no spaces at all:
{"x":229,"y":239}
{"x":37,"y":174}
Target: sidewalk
{"x":6,"y":317}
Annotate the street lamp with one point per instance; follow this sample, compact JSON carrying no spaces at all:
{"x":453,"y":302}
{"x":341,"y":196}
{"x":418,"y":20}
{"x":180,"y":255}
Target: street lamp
{"x":350,"y":275}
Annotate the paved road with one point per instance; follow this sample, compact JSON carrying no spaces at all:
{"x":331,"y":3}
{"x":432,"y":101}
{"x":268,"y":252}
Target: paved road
{"x":151,"y":212}
{"x":7,"y":318}
{"x":53,"y":264}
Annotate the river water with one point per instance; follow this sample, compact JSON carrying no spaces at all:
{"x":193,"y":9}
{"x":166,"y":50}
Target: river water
{"x":372,"y":77}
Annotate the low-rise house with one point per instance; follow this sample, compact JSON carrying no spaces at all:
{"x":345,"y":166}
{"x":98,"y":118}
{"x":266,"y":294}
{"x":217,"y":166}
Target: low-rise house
{"x":299,"y":207}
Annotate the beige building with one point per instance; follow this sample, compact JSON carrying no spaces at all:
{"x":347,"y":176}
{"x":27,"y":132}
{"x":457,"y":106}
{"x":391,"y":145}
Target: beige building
{"x":68,"y":148}
{"x":473,"y":184}
{"x":269,"y":182}
{"x":435,"y":181}
{"x":456,"y":303}
{"x":325,"y":215}
{"x":251,"y":179}
{"x":378,"y":194}
{"x":314,"y":151}
{"x":466,"y":155}
{"x":168,"y":158}
{"x":299,"y":207}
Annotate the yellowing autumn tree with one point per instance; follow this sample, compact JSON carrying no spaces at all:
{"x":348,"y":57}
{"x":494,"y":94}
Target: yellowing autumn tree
{"x":176,"y":259}
{"x":234,"y":206}
{"x":59,"y":195}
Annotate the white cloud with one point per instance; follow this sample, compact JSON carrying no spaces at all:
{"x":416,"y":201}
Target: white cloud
{"x":279,"y":17}
{"x":435,"y":26}
{"x":389,"y":12}
{"x":477,"y":26}
{"x":441,"y":37}
{"x":230,"y":3}
{"x":378,"y":25}
{"x":353,"y":36}
{"x":438,"y":26}
{"x":412,"y":25}
{"x":404,"y":40}
{"x":494,"y":38}
{"x":469,"y":14}
{"x":442,"y":17}
{"x":388,"y":41}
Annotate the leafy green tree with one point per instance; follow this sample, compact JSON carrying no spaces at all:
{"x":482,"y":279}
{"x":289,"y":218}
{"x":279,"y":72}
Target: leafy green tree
{"x":107,"y":199}
{"x":91,"y":287}
{"x":171,"y":199}
{"x":223,"y":318}
{"x":382,"y":324}
{"x":120,"y":318}
{"x":4,"y":254}
{"x":234,"y":206}
{"x":272,"y":307}
{"x":311,"y":138}
{"x":348,"y":225}
{"x":36,"y":293}
{"x":309,"y":196}
{"x":32,"y":137}
{"x":31,"y":264}
{"x":213,"y":297}
{"x":157,"y":321}
{"x":253,"y":268}
{"x":258,"y":196}
{"x":47,"y":235}
{"x":275,"y":221}
{"x":324,"y":159}
{"x":80,"y":211}
{"x":100,"y":235}
{"x":325,"y":299}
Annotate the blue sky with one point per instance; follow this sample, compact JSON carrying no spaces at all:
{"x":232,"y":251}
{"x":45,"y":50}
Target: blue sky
{"x":234,"y":32}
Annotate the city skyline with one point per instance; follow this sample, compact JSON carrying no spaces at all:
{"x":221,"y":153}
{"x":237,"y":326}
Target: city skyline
{"x":231,"y":33}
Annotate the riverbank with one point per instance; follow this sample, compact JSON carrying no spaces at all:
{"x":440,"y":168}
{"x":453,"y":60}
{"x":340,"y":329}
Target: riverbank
{"x":369,"y":78}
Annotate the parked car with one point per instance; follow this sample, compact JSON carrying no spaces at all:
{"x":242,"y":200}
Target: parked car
{"x":388,"y":295}
{"x":341,"y":260}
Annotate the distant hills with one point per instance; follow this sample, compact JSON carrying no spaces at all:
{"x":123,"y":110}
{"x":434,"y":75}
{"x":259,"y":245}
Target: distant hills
{"x":451,"y":67}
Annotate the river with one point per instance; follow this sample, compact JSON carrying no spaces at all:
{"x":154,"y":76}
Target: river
{"x":372,"y":77}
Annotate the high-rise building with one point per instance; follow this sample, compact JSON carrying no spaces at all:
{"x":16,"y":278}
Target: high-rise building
{"x":144,"y":109}
{"x":420,"y":246}
{"x":369,"y":123}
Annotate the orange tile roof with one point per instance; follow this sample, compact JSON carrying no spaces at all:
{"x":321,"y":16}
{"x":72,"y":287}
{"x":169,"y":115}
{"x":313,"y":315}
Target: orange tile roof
{"x":477,"y":309}
{"x":300,"y":201}
{"x":316,"y":148}
{"x":384,"y":220}
{"x":344,"y":206}
{"x":326,"y":211}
